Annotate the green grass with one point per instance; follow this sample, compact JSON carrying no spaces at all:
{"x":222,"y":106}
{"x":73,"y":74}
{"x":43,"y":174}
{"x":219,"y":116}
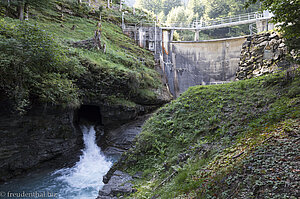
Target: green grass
{"x":206,"y":132}
{"x":127,"y":71}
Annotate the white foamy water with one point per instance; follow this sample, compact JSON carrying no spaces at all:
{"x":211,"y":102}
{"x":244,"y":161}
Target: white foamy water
{"x":83,"y":181}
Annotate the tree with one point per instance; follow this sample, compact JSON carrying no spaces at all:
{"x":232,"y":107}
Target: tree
{"x":196,"y":6}
{"x":20,"y":8}
{"x":216,"y":8}
{"x":169,"y":4}
{"x":223,"y":8}
{"x":34,"y":66}
{"x":154,"y":6}
{"x":286,"y":13}
{"x":180,"y":15}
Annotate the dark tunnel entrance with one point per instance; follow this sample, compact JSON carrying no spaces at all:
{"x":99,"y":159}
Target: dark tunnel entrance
{"x":89,"y":114}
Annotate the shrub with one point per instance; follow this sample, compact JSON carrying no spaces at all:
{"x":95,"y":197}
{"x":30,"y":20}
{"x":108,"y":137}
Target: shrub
{"x":36,"y":66}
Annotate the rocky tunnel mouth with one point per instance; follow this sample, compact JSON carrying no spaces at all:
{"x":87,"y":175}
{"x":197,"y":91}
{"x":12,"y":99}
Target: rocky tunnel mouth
{"x":89,"y":114}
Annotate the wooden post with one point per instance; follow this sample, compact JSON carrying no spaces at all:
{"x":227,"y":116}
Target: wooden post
{"x":97,"y":37}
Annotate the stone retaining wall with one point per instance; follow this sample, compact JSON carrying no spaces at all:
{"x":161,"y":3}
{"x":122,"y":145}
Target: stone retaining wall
{"x":262,"y":54}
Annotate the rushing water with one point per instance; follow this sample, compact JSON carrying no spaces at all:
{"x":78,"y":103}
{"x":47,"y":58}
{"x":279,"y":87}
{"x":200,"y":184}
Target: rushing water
{"x":82,"y":181}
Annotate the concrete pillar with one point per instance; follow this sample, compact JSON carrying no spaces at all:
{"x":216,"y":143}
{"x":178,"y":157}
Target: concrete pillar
{"x":264,"y":25}
{"x":171,"y":35}
{"x":196,"y":35}
{"x":141,"y":37}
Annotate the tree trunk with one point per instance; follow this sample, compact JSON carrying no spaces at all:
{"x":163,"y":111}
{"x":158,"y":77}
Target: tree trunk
{"x":26,"y":8}
{"x":20,"y":9}
{"x":79,"y":2}
{"x":7,"y":8}
{"x":108,"y":3}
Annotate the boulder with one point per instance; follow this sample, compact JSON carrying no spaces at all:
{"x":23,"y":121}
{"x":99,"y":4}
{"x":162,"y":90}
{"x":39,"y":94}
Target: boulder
{"x":119,"y":184}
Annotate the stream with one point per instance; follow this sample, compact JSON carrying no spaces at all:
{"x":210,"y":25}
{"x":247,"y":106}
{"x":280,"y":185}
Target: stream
{"x":83,"y":181}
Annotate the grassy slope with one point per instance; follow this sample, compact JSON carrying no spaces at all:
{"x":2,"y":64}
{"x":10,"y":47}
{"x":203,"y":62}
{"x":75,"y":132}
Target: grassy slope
{"x":123,"y":65}
{"x":189,"y":147}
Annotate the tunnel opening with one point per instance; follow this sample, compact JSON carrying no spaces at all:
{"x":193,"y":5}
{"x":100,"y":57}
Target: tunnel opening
{"x":89,"y":114}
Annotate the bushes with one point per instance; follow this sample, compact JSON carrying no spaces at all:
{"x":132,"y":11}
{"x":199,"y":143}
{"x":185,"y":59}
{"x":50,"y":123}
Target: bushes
{"x":33,"y":66}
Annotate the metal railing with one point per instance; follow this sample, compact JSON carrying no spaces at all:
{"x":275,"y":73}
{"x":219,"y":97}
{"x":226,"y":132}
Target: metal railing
{"x":230,"y":19}
{"x":247,"y":18}
{"x":198,"y":24}
{"x":132,"y":26}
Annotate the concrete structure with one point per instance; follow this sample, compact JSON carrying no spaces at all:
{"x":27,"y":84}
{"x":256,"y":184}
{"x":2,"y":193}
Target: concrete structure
{"x":147,"y":37}
{"x":188,"y":64}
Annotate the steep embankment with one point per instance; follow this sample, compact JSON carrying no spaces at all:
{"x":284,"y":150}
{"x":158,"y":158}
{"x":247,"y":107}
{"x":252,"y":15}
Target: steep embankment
{"x":222,"y":141}
{"x":48,"y":83}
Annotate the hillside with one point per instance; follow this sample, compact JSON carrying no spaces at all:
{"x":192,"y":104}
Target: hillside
{"x":125,"y":74}
{"x":53,"y":77}
{"x":237,"y":140}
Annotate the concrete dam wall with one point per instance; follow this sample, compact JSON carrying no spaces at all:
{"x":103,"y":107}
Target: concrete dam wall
{"x":200,"y":63}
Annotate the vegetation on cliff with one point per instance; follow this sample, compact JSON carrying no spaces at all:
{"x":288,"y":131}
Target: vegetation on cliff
{"x":201,"y":145}
{"x":40,"y":63}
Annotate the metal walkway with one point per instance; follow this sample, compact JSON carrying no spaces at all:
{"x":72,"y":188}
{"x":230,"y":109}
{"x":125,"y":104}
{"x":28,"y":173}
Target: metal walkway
{"x":247,"y":18}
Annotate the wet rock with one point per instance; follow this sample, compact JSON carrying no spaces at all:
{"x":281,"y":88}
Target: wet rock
{"x":44,"y":137}
{"x":113,"y":152}
{"x":121,"y":139}
{"x":119,"y":184}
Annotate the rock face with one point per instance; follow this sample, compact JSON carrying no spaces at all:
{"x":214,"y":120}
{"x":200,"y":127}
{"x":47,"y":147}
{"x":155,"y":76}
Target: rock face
{"x":51,"y":136}
{"x":262,"y":54}
{"x":115,"y":143}
{"x":42,"y":137}
{"x":119,"y":184}
{"x":121,"y":139}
